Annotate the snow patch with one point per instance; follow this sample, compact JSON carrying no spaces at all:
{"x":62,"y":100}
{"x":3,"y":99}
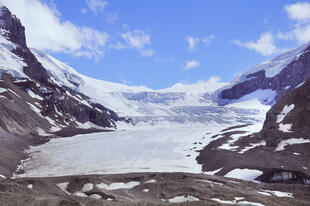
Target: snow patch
{"x":285,"y":127}
{"x":244,"y":174}
{"x":235,"y":137}
{"x":279,"y":194}
{"x":2,"y":90}
{"x":118,"y":185}
{"x":88,"y":187}
{"x":80,"y":194}
{"x":151,"y":181}
{"x":264,"y":193}
{"x":33,"y":95}
{"x":285,"y":111}
{"x":252,"y":146}
{"x":35,"y":109}
{"x":63,"y":186}
{"x":14,"y":93}
{"x":281,"y":146}
{"x":95,"y":196}
{"x":213,"y":172}
{"x":223,"y":201}
{"x":179,"y":199}
{"x":299,"y":85}
{"x":9,"y":62}
{"x":247,"y":203}
{"x":210,"y":182}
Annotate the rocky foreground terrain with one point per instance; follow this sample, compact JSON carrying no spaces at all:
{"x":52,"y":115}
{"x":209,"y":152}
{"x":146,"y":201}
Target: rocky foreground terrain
{"x":149,"y":189}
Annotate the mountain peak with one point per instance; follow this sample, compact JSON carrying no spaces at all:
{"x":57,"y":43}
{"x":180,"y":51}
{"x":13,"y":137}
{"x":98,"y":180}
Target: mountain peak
{"x":14,"y":30}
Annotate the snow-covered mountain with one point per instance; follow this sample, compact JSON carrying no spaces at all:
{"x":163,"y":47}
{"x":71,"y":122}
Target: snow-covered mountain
{"x":282,"y":74}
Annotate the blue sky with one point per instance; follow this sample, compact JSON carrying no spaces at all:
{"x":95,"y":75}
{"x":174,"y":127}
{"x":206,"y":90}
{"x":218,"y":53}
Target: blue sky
{"x":158,"y":43}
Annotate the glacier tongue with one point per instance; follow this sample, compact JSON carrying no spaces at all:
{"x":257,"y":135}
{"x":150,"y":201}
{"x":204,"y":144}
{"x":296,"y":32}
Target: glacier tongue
{"x":181,"y":104}
{"x":170,"y":127}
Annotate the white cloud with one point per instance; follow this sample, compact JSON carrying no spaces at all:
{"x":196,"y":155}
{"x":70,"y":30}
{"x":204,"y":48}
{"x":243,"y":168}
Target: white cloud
{"x":302,"y":33}
{"x":96,"y":6}
{"x":192,"y":42}
{"x":159,"y":59}
{"x":111,"y":17}
{"x":299,"y":11}
{"x":285,"y":36}
{"x":264,"y":45}
{"x":208,"y":39}
{"x":201,"y":86}
{"x":45,"y":30}
{"x":139,"y":40}
{"x":191,"y":64}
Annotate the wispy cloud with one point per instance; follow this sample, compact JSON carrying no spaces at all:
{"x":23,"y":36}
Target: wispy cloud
{"x":201,"y":86}
{"x":191,"y":64}
{"x":111,"y":18}
{"x":96,"y":6}
{"x":208,"y":39}
{"x":138,"y":40}
{"x":192,"y":42}
{"x":299,"y":13}
{"x":160,"y":59}
{"x":264,"y":45}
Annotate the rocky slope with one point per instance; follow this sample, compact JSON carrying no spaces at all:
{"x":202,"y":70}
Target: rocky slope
{"x":280,"y":150}
{"x":32,"y":104}
{"x":46,"y":105}
{"x":289,"y":117}
{"x":149,"y":189}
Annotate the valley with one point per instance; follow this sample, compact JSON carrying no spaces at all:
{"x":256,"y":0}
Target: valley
{"x":69,"y":139}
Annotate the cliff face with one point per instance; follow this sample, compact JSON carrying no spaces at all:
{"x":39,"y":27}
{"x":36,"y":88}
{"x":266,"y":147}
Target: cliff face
{"x":296,"y":69}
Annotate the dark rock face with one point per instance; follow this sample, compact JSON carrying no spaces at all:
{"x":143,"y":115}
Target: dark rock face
{"x":16,"y":34}
{"x":73,"y":105}
{"x":10,"y":23}
{"x":291,"y":76}
{"x":299,"y":117}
